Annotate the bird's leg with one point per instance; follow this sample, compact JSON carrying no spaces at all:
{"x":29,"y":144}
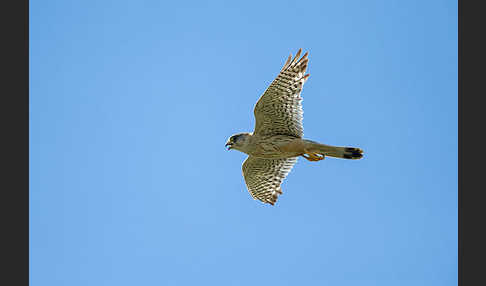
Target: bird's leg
{"x":313,"y":156}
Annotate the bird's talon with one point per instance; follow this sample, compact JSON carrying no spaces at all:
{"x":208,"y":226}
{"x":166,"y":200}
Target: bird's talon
{"x":313,"y":157}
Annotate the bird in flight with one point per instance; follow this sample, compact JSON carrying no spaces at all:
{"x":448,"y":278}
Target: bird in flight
{"x":277,"y":141}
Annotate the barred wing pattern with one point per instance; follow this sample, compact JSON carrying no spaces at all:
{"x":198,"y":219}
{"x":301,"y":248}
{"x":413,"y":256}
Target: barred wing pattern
{"x":263,"y":177}
{"x":279,"y":109}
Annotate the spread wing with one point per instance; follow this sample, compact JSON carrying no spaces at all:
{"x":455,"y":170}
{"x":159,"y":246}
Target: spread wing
{"x":264,"y":176}
{"x":279,"y":109}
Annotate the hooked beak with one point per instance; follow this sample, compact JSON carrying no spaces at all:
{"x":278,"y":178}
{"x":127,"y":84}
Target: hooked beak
{"x":229,"y":145}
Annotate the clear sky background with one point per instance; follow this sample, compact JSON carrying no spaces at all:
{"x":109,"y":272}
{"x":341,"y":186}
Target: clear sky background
{"x":131,"y":103}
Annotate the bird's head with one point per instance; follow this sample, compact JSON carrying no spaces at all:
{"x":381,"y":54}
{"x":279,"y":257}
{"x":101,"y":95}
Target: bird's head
{"x":238,"y":141}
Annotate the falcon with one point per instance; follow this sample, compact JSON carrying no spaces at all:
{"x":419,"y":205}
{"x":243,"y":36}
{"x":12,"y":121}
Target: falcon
{"x":277,"y":141}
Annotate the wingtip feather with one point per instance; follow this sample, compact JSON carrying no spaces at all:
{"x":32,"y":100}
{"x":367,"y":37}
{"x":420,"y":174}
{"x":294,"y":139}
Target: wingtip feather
{"x":287,"y":62}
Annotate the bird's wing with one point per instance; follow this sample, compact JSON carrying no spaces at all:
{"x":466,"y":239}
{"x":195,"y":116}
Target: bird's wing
{"x":279,"y":109}
{"x":264,"y":176}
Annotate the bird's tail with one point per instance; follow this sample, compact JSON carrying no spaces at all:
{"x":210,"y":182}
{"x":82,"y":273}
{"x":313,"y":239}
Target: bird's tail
{"x":335,"y":151}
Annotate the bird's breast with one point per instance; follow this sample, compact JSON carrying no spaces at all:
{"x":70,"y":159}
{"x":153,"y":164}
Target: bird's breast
{"x":275,"y":147}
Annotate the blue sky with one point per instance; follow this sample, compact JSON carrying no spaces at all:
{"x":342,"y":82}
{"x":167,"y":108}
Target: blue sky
{"x":131,"y":103}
